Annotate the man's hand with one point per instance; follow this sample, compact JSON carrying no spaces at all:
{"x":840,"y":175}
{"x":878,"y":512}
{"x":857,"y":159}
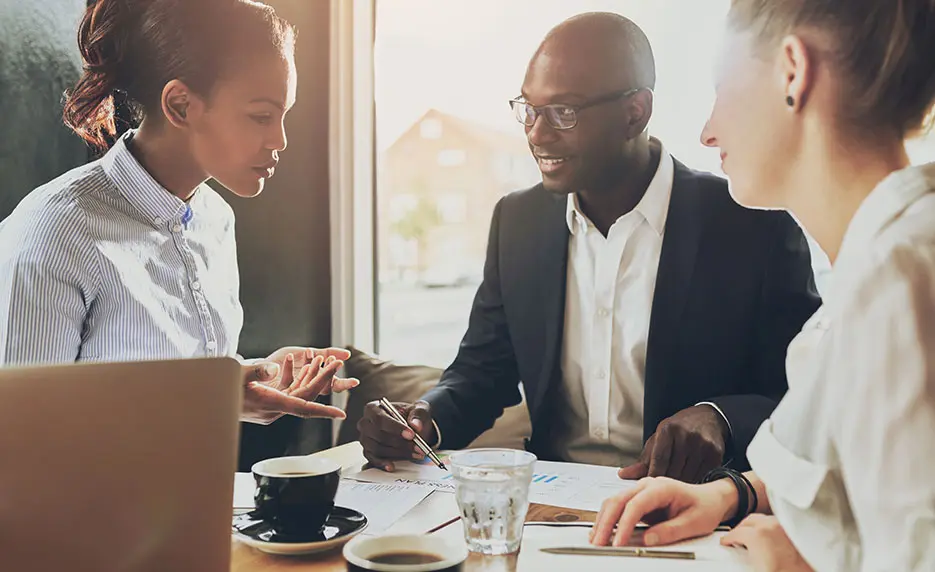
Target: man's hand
{"x":384,"y":439}
{"x":272,"y":390}
{"x":685,"y":446}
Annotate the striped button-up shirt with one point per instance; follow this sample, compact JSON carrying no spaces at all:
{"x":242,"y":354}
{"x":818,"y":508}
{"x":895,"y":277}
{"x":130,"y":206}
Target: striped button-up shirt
{"x":104,"y":264}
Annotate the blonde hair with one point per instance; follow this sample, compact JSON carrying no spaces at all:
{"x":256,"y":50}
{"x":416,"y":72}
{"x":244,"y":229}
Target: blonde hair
{"x":884,"y":51}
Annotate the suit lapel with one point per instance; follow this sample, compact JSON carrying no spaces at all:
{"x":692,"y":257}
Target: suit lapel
{"x":685,"y":225}
{"x":552,"y":265}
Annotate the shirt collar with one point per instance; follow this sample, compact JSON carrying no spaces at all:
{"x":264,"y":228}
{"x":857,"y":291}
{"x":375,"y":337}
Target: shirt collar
{"x":891,"y":197}
{"x":152,"y":200}
{"x":654,"y":206}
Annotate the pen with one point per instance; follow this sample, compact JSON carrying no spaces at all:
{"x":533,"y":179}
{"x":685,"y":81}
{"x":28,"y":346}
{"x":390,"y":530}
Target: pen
{"x":420,"y":442}
{"x":613,"y":551}
{"x":588,"y":524}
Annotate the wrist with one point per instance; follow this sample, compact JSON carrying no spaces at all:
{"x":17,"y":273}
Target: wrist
{"x":718,"y":422}
{"x":728,"y":498}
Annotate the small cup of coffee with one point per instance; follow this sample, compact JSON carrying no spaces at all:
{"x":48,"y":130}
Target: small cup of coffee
{"x":404,"y":553}
{"x":295,"y":495}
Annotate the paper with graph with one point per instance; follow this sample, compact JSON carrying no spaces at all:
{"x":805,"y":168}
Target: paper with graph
{"x":423,"y":473}
{"x":571,"y":485}
{"x":568,"y":485}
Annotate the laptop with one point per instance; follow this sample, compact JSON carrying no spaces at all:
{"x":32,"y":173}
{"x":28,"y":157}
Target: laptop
{"x":118,"y":467}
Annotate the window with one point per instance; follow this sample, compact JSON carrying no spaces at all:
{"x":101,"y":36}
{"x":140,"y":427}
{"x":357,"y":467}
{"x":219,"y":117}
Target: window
{"x":400,"y":206}
{"x":430,"y":129}
{"x":452,"y":157}
{"x":443,"y":73}
{"x":452,"y":207}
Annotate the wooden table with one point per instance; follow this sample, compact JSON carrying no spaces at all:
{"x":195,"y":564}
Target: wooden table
{"x":247,"y":559}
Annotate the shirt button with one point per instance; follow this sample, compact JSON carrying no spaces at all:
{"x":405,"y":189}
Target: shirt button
{"x":158,"y":221}
{"x":177,"y":228}
{"x":600,"y":434}
{"x":196,"y":285}
{"x":601,"y":375}
{"x":212,"y":345}
{"x":603,"y":313}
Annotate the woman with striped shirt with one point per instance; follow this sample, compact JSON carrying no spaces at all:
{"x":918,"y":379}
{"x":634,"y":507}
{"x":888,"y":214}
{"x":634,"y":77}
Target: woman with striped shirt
{"x":133,"y":256}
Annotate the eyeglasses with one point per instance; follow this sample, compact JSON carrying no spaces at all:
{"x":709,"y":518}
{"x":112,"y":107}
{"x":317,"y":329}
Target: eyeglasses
{"x":558,"y":115}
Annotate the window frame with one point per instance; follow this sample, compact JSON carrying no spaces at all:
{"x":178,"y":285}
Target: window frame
{"x":352,"y":193}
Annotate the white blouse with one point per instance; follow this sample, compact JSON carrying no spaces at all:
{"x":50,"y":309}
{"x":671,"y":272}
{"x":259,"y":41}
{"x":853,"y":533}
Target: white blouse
{"x":848,"y":456}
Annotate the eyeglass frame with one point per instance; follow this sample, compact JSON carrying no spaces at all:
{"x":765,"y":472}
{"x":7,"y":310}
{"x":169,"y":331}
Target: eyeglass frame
{"x":606,"y":98}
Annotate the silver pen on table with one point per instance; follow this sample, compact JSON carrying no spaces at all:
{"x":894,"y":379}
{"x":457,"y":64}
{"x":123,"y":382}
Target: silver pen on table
{"x":620,"y":551}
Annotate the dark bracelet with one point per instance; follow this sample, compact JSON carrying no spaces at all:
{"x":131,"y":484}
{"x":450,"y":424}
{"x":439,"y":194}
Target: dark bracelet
{"x":740,"y":483}
{"x":756,"y":500}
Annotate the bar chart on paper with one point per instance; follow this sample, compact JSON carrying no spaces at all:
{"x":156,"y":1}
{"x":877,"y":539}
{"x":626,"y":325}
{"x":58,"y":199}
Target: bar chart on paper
{"x":570,"y":485}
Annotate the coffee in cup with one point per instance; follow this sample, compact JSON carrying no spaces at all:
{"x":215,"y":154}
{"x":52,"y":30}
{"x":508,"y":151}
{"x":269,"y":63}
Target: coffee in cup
{"x":405,"y":553}
{"x":295,"y":495}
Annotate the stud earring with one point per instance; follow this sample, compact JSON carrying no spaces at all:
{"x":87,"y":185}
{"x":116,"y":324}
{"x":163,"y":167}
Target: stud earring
{"x":790,"y":101}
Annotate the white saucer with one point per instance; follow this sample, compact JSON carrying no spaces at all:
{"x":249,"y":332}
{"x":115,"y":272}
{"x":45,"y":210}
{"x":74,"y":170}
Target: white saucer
{"x":341,"y":526}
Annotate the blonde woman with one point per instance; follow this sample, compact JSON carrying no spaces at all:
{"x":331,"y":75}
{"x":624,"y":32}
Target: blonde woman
{"x":815,"y":99}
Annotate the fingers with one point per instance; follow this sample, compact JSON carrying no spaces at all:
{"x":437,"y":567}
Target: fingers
{"x":269,"y":399}
{"x":311,"y":409}
{"x":682,"y":449}
{"x":322,"y":380}
{"x":377,"y":461}
{"x":300,"y":358}
{"x":288,"y":372}
{"x":388,"y":425}
{"x":329,"y":367}
{"x":688,"y":524}
{"x":341,"y":384}
{"x":634,"y":472}
{"x":310,"y":373}
{"x":383,"y":464}
{"x":639,"y":469}
{"x":695,"y":468}
{"x":385,"y":450}
{"x":650,"y":499}
{"x":740,"y":537}
{"x":611,"y":510}
{"x":747,"y":532}
{"x":661,"y":452}
{"x":713,"y":461}
{"x":260,"y":371}
{"x":305,"y":376}
{"x":383,"y":438}
{"x":336,"y":353}
{"x":420,"y":418}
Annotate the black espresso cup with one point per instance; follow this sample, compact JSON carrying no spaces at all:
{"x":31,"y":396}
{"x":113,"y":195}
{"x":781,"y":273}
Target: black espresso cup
{"x":295,"y":495}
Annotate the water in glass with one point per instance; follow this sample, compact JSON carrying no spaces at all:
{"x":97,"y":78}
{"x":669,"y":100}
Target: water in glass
{"x":493,"y":495}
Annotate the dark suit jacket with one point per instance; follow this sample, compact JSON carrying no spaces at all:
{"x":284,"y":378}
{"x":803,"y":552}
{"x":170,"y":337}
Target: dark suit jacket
{"x":734,"y":287}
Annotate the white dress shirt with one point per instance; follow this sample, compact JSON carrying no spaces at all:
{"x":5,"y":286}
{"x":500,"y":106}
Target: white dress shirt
{"x":848,"y":456}
{"x":104,"y":264}
{"x":608,"y":303}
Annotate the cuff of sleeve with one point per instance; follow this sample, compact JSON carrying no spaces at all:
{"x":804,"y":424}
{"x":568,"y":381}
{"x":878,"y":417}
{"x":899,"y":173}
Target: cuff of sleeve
{"x":438,"y":434}
{"x":730,"y":430}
